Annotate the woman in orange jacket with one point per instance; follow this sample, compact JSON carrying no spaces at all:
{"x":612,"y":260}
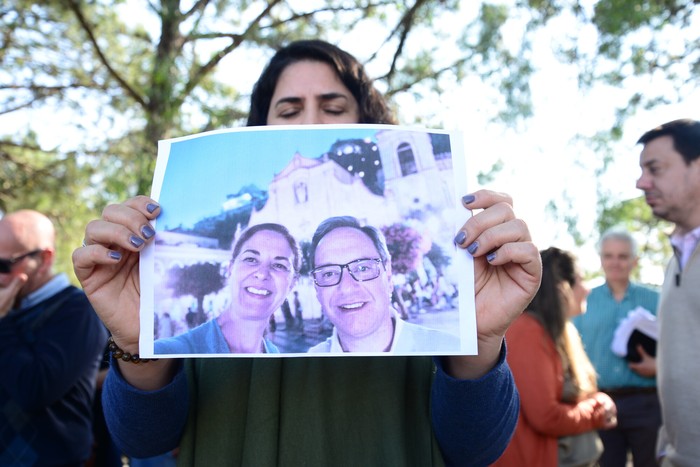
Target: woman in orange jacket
{"x":556,"y":381}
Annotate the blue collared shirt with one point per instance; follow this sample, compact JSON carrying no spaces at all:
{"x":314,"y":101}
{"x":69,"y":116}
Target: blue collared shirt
{"x":51,"y":288}
{"x":597,"y":328}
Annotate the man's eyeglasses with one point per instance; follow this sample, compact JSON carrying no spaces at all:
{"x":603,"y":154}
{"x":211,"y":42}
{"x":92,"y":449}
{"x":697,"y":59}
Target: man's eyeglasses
{"x":7,"y":264}
{"x":361,"y":270}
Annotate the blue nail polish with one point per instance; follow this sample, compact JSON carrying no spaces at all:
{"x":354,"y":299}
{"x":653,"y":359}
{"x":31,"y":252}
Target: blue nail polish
{"x":136,"y":241}
{"x":150,"y":207}
{"x":491,"y":256}
{"x":472,"y":248}
{"x":460,"y":237}
{"x":147,"y":231}
{"x":467,"y":199}
{"x":115,"y":255}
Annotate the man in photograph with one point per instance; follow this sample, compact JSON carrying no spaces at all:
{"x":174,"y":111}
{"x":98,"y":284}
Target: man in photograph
{"x":352,"y":276}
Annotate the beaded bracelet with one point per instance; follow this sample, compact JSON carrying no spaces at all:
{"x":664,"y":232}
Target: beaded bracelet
{"x":125,"y":356}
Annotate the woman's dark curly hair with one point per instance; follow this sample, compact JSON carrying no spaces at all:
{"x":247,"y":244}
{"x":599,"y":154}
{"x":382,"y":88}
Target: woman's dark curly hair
{"x":372,"y":105}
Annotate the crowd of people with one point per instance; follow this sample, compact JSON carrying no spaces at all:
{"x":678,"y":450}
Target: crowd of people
{"x":544,"y":388}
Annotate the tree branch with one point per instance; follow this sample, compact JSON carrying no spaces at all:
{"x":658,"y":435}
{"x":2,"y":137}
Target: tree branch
{"x":75,"y":7}
{"x":205,"y":69}
{"x":404,"y":27}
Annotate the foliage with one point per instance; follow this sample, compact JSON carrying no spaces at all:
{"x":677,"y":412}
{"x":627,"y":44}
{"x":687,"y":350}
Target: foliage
{"x":125,"y":74}
{"x":198,"y":280}
{"x":33,"y":179}
{"x":305,"y":247}
{"x":404,"y":245}
{"x":437,"y":256}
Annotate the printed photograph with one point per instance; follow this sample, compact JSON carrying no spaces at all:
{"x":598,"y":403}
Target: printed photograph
{"x":309,"y":241}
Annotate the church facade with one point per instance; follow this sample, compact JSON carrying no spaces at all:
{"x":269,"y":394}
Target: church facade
{"x":417,"y":183}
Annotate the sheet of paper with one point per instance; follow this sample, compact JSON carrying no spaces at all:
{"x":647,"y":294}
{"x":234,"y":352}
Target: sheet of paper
{"x":407,"y":183}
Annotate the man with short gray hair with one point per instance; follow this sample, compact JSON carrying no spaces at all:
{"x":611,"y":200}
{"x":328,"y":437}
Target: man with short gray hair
{"x":631,"y":384}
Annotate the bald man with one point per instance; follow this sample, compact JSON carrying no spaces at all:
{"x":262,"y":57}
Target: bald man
{"x":51,"y":343}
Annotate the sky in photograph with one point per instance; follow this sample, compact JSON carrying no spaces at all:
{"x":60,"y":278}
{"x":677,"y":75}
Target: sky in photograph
{"x":197,"y":190}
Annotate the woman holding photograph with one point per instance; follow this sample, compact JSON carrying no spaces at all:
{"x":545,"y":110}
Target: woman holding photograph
{"x":264,"y":267}
{"x":454,"y":410}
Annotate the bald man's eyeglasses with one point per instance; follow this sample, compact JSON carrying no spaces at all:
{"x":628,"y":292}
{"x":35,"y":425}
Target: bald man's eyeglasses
{"x":6,"y":265}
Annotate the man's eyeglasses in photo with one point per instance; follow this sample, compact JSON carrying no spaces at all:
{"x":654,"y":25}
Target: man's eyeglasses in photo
{"x":364,"y":269}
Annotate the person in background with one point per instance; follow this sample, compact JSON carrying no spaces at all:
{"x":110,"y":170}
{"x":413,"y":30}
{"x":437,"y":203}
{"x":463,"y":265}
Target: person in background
{"x":51,"y":343}
{"x":298,"y":312}
{"x":670,"y":179}
{"x":555,"y":378}
{"x":455,"y":410}
{"x":632,"y":385}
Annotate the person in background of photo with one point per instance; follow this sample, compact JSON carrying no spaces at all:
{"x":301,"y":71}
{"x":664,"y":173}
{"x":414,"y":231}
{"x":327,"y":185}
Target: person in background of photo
{"x":670,"y":162}
{"x":264,"y":268}
{"x":631,"y":385}
{"x":352,"y":275}
{"x":298,"y":312}
{"x":554,"y":376}
{"x":451,"y":410}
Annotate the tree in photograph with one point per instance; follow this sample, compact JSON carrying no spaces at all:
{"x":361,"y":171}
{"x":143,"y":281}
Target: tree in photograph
{"x":197,"y":280}
{"x":405,"y":247}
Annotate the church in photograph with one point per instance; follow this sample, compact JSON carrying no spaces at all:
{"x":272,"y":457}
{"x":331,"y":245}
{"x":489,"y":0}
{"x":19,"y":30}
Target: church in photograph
{"x":415,"y":181}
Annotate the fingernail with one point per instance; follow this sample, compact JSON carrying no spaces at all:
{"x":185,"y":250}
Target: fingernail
{"x":115,"y":255}
{"x":467,"y":199}
{"x":136,"y":241}
{"x":147,"y":231}
{"x":150,"y":207}
{"x":460,"y":237}
{"x":491,"y":256}
{"x":472,"y":248}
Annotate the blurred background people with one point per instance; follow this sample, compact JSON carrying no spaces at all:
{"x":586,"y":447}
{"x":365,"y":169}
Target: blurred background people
{"x":51,"y":343}
{"x":631,"y":385}
{"x":556,"y":381}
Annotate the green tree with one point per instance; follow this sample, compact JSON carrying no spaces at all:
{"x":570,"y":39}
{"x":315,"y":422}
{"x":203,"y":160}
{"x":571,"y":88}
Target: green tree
{"x":404,"y":245}
{"x":197,"y":280}
{"x":439,"y":258}
{"x":117,"y":85}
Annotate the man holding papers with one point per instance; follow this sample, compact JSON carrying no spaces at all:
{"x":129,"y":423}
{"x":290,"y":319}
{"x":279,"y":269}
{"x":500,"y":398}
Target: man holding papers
{"x":631,"y":385}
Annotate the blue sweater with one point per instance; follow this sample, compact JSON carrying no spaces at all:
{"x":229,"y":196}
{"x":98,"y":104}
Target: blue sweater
{"x":49,"y":357}
{"x":317,"y":411}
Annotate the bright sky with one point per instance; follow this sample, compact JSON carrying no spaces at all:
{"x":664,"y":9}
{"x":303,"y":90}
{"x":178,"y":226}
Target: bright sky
{"x":541,"y":158}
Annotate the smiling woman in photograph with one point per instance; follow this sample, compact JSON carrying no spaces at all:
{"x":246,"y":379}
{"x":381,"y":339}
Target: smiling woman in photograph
{"x":263,"y":270}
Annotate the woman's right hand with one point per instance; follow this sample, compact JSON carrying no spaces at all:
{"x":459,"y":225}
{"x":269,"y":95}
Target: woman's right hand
{"x":108,"y":266}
